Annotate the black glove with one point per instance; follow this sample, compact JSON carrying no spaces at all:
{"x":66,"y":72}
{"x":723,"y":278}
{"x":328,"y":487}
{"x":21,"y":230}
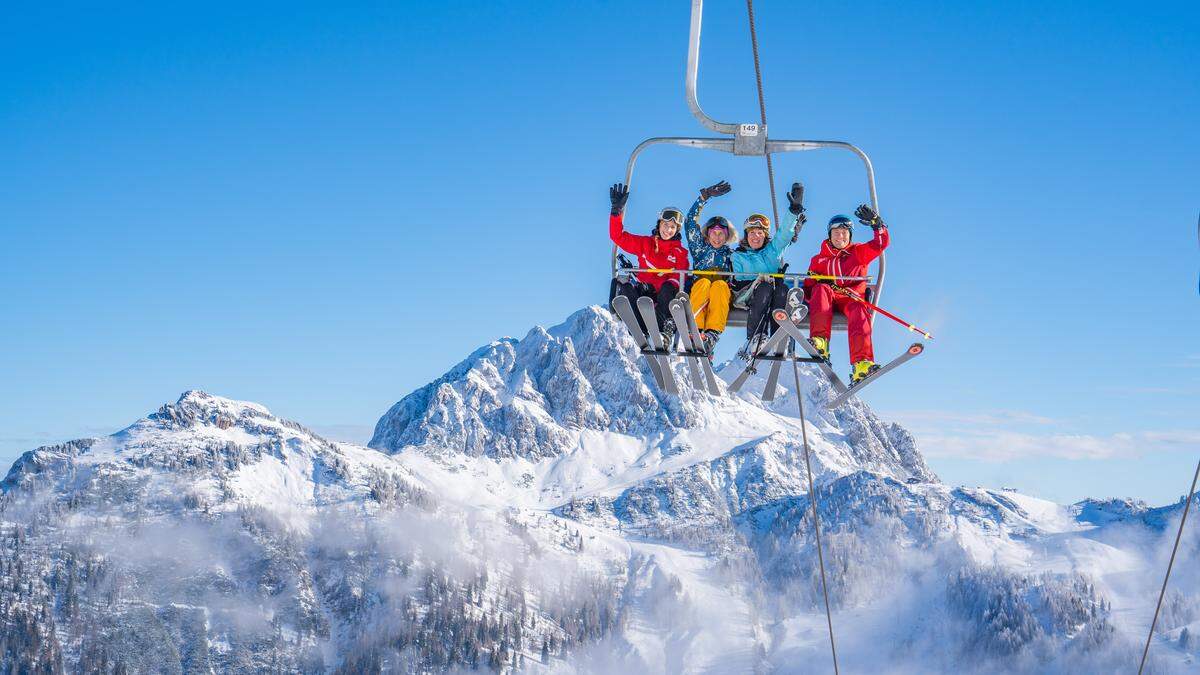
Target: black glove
{"x":618,"y":194}
{"x":717,"y":190}
{"x":867,"y":216}
{"x":796,"y":199}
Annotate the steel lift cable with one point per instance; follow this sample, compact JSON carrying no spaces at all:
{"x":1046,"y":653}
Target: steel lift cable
{"x":812,"y":493}
{"x":812,"y":498}
{"x":1174,"y":549}
{"x":1178,"y":536}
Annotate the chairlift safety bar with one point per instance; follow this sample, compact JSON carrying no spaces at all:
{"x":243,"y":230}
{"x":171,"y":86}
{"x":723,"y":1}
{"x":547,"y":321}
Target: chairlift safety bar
{"x":719,"y":273}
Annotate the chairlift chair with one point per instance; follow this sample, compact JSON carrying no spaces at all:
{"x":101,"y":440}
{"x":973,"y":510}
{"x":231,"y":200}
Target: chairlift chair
{"x":748,"y":140}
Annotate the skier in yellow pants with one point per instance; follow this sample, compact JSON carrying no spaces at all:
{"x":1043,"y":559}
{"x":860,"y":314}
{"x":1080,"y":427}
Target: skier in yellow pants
{"x":710,"y":303}
{"x":710,"y":250}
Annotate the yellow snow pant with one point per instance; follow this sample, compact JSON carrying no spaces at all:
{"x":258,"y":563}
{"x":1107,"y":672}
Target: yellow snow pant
{"x":711,"y":294}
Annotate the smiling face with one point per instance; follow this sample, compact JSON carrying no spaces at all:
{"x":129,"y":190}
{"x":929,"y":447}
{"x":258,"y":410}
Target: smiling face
{"x":667,"y":229}
{"x":756,"y":237}
{"x":839,"y":237}
{"x":717,"y":236}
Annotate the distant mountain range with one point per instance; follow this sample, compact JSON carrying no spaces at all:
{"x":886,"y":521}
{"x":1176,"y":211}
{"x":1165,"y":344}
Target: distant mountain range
{"x":543,"y":508}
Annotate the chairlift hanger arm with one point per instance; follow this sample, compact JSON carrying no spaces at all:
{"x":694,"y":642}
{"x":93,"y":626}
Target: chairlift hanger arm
{"x":693,"y":65}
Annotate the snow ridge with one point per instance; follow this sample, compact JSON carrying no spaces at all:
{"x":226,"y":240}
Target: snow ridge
{"x":542,"y":508}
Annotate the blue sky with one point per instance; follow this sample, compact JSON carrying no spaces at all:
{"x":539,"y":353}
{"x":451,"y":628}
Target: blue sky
{"x":322,"y":209}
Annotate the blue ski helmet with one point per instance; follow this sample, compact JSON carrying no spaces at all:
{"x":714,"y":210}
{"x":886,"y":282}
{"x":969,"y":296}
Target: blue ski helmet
{"x":840,"y":220}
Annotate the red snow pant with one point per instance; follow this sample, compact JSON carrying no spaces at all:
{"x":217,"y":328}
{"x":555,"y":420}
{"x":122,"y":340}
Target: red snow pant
{"x":821,"y":303}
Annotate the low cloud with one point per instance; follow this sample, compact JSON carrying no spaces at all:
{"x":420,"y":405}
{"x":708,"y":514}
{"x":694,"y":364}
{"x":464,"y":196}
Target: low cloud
{"x":1003,"y":446}
{"x":1002,"y":436}
{"x":923,"y":418}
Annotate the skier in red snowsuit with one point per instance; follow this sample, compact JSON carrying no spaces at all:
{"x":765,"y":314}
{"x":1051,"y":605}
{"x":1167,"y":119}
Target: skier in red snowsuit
{"x":663,"y":249}
{"x":840,"y":258}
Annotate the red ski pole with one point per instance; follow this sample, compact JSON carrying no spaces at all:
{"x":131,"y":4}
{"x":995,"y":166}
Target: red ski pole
{"x":855,"y":296}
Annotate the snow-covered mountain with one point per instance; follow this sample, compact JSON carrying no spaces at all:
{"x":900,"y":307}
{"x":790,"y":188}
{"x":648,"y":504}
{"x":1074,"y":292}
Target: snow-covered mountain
{"x":543,"y":508}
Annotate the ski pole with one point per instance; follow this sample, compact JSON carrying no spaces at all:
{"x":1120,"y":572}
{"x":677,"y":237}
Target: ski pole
{"x":855,"y":296}
{"x":774,"y":275}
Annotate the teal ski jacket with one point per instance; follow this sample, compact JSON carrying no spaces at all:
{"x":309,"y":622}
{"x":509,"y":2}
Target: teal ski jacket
{"x":765,"y":260}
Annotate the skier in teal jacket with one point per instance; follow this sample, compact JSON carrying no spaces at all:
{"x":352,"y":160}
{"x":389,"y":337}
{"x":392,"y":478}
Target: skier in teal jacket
{"x":758,"y":254}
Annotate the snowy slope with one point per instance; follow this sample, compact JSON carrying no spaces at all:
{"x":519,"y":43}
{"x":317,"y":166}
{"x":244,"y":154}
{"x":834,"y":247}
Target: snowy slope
{"x":543,"y":508}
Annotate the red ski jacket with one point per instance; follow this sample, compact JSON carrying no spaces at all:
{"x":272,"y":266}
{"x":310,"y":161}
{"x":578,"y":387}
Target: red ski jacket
{"x":852,"y":261}
{"x":650,"y":251}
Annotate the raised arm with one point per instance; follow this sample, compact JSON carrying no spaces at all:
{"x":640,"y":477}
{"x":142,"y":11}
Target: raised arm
{"x":691,"y":228}
{"x":871,"y":250}
{"x":691,"y":223}
{"x":784,"y":238}
{"x":618,"y":194}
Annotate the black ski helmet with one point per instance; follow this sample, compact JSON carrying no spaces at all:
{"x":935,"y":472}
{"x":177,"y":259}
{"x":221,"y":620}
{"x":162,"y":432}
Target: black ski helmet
{"x":720,"y":221}
{"x":840,"y":220}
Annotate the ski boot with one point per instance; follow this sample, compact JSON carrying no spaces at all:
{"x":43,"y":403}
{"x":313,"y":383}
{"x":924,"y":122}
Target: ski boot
{"x":710,"y":341}
{"x":755,"y":343}
{"x":668,"y":334}
{"x":821,"y":345}
{"x":862,"y":369}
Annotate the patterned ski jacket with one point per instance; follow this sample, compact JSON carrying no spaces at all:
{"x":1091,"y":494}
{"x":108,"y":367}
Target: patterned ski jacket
{"x":852,"y":261}
{"x":650,"y":251}
{"x":704,"y":256}
{"x":765,"y":260}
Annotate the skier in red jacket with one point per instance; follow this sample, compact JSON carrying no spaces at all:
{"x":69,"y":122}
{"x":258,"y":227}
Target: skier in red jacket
{"x":662,"y":250}
{"x":840,"y":258}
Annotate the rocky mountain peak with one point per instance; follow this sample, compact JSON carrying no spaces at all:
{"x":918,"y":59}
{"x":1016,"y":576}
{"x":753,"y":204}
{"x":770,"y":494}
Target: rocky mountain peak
{"x":538,"y":397}
{"x":531,"y":397}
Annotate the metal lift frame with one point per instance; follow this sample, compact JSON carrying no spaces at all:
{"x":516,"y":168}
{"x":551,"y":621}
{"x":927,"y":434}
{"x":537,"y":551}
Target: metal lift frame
{"x":748,"y":139}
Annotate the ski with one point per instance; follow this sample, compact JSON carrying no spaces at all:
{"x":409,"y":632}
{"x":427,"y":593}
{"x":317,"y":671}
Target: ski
{"x":795,"y":304}
{"x":625,"y":311}
{"x":688,"y":349}
{"x":661,"y":352}
{"x":768,"y":394}
{"x":781,"y":317}
{"x":764,"y":349}
{"x":912,"y":352}
{"x":685,"y":324}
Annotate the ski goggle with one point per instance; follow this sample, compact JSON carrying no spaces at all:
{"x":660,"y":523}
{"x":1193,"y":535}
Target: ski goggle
{"x":757,"y":220}
{"x":718,"y":221}
{"x":840,"y":221}
{"x":671,"y":213}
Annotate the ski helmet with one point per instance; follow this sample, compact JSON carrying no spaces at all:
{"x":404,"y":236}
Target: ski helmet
{"x":719,"y":221}
{"x":840,"y":220}
{"x":756,"y":220}
{"x":671,"y":213}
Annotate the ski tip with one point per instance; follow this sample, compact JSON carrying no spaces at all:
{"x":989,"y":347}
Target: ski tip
{"x":917,"y":348}
{"x":780,"y":315}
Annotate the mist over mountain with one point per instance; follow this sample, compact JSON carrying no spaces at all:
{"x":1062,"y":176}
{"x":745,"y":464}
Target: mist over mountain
{"x":543,"y":508}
